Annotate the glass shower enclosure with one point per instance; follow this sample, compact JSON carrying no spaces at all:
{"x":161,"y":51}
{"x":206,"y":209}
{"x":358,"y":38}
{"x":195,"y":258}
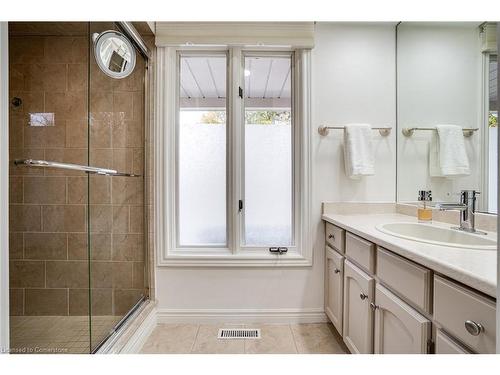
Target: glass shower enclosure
{"x":77,"y":189}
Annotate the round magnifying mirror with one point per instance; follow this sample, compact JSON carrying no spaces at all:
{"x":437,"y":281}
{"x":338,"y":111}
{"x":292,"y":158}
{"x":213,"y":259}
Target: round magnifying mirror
{"x":114,"y":54}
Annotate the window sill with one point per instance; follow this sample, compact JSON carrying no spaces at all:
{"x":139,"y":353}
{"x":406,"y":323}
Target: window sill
{"x":229,"y":260}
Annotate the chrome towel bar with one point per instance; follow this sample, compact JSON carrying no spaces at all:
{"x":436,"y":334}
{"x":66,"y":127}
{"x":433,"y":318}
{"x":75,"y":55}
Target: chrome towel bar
{"x":408,"y":132}
{"x":325,"y":130}
{"x":74,"y":167}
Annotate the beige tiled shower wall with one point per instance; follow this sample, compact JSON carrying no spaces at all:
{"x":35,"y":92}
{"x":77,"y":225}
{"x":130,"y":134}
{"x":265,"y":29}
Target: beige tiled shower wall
{"x":49,"y":272}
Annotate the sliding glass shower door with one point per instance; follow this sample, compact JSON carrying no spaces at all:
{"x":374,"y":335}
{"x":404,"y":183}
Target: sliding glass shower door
{"x":116,"y":203}
{"x":77,"y":253}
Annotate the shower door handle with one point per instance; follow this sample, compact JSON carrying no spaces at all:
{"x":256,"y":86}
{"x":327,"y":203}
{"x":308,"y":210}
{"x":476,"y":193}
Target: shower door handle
{"x":73,"y":167}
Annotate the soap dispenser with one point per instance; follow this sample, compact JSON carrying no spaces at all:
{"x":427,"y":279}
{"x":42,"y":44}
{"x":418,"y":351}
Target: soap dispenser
{"x":424,"y":210}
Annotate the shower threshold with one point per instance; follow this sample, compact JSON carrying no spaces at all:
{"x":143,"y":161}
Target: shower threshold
{"x":110,"y":340}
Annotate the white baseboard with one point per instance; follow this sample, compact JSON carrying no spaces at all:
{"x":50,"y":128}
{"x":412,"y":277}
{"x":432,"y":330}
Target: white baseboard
{"x":204,"y":316}
{"x":137,"y":340}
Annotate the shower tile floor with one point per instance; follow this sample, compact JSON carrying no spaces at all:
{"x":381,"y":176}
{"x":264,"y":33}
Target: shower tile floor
{"x":57,"y":334}
{"x":276,"y":339}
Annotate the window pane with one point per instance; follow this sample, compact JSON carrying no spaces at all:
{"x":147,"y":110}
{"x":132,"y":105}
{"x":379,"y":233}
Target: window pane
{"x":202,"y":151}
{"x":268,"y":151}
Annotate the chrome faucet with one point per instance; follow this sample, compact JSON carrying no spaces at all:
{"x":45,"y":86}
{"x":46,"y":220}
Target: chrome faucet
{"x":467,"y":207}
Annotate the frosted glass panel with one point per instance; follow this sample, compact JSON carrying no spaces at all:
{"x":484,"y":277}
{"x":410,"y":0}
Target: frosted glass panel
{"x":268,"y":185}
{"x":202,"y":180}
{"x":268,"y":152}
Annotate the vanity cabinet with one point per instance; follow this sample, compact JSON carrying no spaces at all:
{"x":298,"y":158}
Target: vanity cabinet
{"x":399,"y":328}
{"x":358,"y":314}
{"x":334,"y":287}
{"x":386,"y":303}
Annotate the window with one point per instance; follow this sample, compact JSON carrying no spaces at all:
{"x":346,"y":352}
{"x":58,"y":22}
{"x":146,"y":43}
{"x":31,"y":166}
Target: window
{"x":236,"y":169}
{"x":268,"y":192}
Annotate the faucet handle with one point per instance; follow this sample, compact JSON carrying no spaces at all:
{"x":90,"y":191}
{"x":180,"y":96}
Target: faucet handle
{"x":475,"y":192}
{"x":470,"y":191}
{"x":468,"y":194}
{"x":469,"y":199}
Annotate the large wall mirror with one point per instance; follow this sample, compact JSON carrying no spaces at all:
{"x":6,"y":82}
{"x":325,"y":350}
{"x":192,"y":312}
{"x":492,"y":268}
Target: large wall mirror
{"x":447,"y":75}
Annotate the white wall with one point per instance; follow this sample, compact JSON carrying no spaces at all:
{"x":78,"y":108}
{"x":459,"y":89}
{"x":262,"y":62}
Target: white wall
{"x":353,"y":80}
{"x":439,"y":82}
{"x":4,"y":192}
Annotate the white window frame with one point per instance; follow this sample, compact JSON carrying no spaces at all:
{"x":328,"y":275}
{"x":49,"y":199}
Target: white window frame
{"x":240,"y":140}
{"x":165,"y":143}
{"x":194,"y":249}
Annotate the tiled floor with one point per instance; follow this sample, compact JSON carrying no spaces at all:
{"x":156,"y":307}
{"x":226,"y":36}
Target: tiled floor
{"x":57,"y":334}
{"x":276,"y":339}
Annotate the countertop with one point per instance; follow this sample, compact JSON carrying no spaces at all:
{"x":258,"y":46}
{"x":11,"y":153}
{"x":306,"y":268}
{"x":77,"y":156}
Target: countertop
{"x":474,"y":268}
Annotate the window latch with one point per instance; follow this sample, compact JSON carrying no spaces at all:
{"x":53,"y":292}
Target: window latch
{"x":240,"y":205}
{"x":278,"y":250}
{"x":240,"y":92}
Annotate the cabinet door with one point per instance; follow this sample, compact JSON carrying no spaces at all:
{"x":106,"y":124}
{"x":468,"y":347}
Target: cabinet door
{"x":334,"y":287}
{"x":446,"y":345}
{"x":399,"y":328}
{"x":358,"y":316}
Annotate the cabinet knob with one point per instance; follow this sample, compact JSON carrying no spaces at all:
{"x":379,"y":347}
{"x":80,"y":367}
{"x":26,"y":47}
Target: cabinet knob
{"x":336,"y":270}
{"x":373,"y":306}
{"x":331,"y":236}
{"x":363,"y":296}
{"x":473,"y":328}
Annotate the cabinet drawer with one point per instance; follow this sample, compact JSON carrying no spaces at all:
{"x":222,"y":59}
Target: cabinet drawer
{"x":455,"y":305}
{"x":393,"y":269}
{"x":334,"y":288}
{"x":446,"y":345}
{"x":335,"y":236}
{"x":360,"y":251}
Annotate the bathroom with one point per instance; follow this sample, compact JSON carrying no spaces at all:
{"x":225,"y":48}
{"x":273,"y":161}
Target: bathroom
{"x":208,"y":187}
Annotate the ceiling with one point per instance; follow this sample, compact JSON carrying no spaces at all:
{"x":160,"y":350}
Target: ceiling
{"x":66,"y":28}
{"x":48,"y":28}
{"x":203,"y":77}
{"x":267,"y":77}
{"x":267,"y":81}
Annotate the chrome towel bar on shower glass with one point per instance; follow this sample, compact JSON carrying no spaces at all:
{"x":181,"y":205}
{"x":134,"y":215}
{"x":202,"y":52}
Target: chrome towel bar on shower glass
{"x":408,"y":132}
{"x":324,"y":130}
{"x":74,"y":167}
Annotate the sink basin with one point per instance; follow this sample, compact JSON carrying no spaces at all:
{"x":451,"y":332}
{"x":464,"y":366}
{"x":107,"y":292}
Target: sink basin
{"x":437,"y":235}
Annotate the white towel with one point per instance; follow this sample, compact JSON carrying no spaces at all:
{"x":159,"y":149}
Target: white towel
{"x":358,"y":151}
{"x":447,"y":154}
{"x":434,"y":166}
